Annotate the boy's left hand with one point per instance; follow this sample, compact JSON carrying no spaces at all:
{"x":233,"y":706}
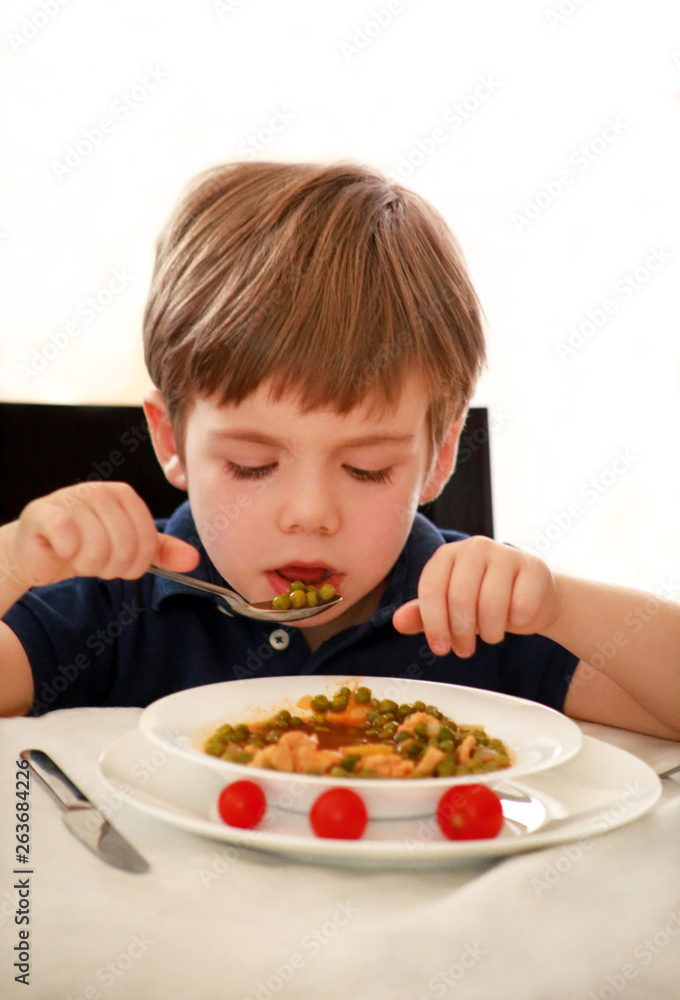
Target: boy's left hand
{"x":479,"y":587}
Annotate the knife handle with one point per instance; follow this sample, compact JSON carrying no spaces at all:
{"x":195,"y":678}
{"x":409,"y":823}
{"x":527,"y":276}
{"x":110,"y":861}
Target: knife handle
{"x":63,"y":789}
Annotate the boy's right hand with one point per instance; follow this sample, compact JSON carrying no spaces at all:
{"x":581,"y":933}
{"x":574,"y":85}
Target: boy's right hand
{"x":98,"y":529}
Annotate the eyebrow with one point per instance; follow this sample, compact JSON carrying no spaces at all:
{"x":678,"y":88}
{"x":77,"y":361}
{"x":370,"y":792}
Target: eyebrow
{"x":257,"y":437}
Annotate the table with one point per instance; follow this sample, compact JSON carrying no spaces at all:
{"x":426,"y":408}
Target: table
{"x":213,"y":922}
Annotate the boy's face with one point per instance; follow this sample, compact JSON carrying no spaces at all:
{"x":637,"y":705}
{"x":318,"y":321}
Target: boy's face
{"x":278,"y":495}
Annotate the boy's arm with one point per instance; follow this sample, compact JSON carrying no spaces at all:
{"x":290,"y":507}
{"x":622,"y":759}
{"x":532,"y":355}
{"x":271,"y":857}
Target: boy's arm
{"x":628,"y":644}
{"x":96,"y":529}
{"x":629,"y":658}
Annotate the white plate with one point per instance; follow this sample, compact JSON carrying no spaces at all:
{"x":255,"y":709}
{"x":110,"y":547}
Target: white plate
{"x":538,"y":736}
{"x":609,"y":785}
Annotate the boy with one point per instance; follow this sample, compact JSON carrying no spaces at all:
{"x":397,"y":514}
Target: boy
{"x":314,"y":342}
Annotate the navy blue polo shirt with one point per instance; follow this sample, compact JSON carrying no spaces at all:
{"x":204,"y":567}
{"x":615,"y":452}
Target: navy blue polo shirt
{"x":94,"y":642}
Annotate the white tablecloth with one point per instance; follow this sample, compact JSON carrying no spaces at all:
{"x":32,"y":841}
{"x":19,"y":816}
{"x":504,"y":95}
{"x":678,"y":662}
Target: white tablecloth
{"x":210,"y":922}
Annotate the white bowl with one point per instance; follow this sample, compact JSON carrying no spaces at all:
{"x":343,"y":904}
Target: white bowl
{"x":539,"y":737}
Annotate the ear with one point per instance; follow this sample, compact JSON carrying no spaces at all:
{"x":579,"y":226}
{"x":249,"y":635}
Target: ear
{"x":163,"y":439}
{"x":444,"y":462}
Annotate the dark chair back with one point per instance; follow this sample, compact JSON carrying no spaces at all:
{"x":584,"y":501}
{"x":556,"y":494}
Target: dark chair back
{"x":45,"y":446}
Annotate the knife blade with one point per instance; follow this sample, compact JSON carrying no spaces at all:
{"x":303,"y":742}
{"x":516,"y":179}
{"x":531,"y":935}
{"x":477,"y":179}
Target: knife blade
{"x":83,"y":818}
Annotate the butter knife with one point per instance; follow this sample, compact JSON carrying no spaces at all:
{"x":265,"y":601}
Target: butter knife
{"x":82,"y":818}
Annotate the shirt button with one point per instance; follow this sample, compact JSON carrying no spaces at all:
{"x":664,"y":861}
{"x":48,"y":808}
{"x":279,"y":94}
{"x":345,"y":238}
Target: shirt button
{"x":279,"y":639}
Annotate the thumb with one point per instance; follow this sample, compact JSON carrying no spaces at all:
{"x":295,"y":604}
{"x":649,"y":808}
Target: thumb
{"x":407,"y":620}
{"x":173,"y":553}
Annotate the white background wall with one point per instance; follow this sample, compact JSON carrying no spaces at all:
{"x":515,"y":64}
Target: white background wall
{"x":486,"y":107}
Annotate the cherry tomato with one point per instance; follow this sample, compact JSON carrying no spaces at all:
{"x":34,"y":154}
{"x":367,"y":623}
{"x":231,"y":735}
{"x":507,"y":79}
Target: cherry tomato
{"x":242,"y":803}
{"x":340,"y":814}
{"x":470,"y":812}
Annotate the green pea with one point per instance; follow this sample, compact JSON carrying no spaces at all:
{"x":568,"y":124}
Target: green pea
{"x":312,"y":598}
{"x":387,"y":705}
{"x":448,"y":746}
{"x":320,"y":703}
{"x":283,"y":715}
{"x":215,"y":749}
{"x":420,"y":729}
{"x":272,"y":737}
{"x":298,"y":599}
{"x":296,"y":721}
{"x":240,"y":734}
{"x":338,"y":772}
{"x":338,"y":704}
{"x":296,"y":585}
{"x":344,"y":692}
{"x":446,"y":769}
{"x":444,"y":734}
{"x":363,"y":695}
{"x":404,"y":711}
{"x":326,"y":592}
{"x":419,"y":706}
{"x":403,"y":735}
{"x":281,"y":602}
{"x":244,"y":757}
{"x":349,"y":760}
{"x":319,"y":720}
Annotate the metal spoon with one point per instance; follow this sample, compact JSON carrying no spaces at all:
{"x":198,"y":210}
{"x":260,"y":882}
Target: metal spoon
{"x":262,"y":610}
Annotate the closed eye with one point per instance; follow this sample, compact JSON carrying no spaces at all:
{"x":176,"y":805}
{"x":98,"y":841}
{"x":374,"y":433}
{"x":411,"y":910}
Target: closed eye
{"x":250,"y":471}
{"x":370,"y":475}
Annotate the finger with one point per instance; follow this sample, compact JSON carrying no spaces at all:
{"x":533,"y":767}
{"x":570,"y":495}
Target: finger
{"x":173,"y":553}
{"x":144,"y":531}
{"x":120,"y":529}
{"x":407,"y":619}
{"x":534,"y":598}
{"x":433,"y":599}
{"x":463,"y":591}
{"x":493,"y":603}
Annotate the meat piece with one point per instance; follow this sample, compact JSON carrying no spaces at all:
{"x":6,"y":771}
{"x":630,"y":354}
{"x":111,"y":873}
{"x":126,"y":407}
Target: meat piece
{"x":466,"y":749}
{"x":277,"y":757}
{"x":296,"y":739}
{"x":387,"y":766}
{"x":311,"y":759}
{"x":429,"y":761}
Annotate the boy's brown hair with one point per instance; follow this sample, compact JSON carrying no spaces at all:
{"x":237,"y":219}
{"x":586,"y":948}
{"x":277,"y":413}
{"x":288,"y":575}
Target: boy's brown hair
{"x":331,"y":281}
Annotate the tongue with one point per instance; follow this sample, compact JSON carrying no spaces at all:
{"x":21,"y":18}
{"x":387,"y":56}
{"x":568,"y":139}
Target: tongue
{"x":306,"y":575}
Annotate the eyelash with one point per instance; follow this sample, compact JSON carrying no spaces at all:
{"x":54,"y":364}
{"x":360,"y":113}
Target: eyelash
{"x":260,"y":471}
{"x":369,"y":475}
{"x":250,"y":471}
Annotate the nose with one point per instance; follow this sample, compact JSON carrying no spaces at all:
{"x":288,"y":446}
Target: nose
{"x":309,"y":505}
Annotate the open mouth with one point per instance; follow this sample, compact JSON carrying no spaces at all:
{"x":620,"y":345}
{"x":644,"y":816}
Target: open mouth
{"x":311,"y":574}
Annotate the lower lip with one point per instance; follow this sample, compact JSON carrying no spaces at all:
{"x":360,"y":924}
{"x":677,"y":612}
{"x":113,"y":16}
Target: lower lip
{"x":280,"y":585}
